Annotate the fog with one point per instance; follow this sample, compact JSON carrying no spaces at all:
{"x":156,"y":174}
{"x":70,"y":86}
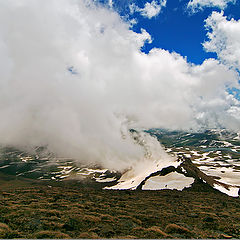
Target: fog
{"x":73,"y":78}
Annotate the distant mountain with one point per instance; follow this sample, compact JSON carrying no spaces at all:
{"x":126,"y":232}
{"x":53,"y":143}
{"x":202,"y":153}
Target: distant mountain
{"x":211,"y":157}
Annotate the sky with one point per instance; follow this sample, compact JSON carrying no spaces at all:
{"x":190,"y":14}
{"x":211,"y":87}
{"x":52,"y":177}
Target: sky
{"x":76,"y":75}
{"x":178,"y":26}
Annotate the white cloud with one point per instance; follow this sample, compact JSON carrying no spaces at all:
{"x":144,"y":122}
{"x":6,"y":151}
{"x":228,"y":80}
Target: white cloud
{"x":117,"y":87}
{"x":224,"y":39}
{"x":110,"y":3}
{"x":150,"y":10}
{"x":200,"y":4}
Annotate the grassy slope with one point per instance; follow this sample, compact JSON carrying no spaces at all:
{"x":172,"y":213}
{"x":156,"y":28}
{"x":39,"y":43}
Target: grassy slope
{"x":30,"y":209}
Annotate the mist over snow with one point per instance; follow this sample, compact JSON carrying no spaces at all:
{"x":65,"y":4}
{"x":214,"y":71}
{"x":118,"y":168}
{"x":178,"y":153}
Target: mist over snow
{"x":73,"y":77}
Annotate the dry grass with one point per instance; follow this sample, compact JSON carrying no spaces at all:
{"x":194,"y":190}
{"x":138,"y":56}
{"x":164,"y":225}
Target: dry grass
{"x":37,"y":211}
{"x":176,"y":229}
{"x":88,"y":235}
{"x":158,"y":231}
{"x":51,"y":234}
{"x":4,"y":227}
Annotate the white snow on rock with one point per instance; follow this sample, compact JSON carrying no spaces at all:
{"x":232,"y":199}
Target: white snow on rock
{"x":237,"y":137}
{"x":183,"y":170}
{"x":168,"y":150}
{"x":172,"y":180}
{"x":227,"y":144}
{"x":227,"y":174}
{"x":132,"y":178}
{"x":195,"y":153}
{"x":5,"y":166}
{"x":88,"y":171}
{"x":204,"y":156}
{"x":103,"y":180}
{"x":26,"y":159}
{"x":232,"y":191}
{"x":155,"y":160}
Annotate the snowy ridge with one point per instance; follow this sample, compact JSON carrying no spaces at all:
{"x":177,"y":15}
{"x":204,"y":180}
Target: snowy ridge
{"x":133,"y":178}
{"x":213,"y":158}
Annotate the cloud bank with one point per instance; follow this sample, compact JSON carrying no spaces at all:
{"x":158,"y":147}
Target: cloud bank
{"x":196,"y":5}
{"x":224,"y":39}
{"x":73,"y":77}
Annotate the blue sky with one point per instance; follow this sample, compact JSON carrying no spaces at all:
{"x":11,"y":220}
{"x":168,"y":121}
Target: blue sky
{"x":176,"y":28}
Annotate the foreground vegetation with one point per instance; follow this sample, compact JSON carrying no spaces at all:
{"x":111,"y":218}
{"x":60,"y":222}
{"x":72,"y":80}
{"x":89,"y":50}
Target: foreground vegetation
{"x":32,"y":209}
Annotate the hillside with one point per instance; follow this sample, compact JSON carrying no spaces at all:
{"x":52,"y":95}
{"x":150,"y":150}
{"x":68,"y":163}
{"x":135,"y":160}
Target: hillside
{"x":45,"y":196}
{"x":34,"y":209}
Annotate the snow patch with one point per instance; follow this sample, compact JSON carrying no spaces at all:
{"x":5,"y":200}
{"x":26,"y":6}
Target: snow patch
{"x":5,"y":166}
{"x":88,"y":171}
{"x":232,"y":191}
{"x":132,"y":178}
{"x":172,"y":180}
{"x":194,"y":153}
{"x":103,"y":180}
{"x":227,"y":174}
